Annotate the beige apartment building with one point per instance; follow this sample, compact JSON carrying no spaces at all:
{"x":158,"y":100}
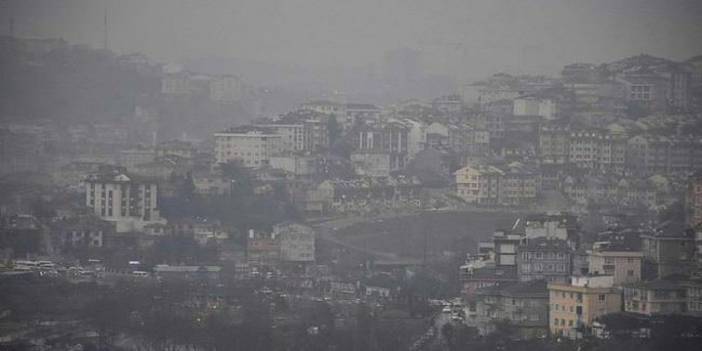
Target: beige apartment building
{"x":478,"y":184}
{"x":574,"y":306}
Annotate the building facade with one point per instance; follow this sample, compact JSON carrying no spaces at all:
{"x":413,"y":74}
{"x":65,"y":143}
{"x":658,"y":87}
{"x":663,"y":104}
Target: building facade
{"x":623,"y":266}
{"x":128,"y":201}
{"x":575,"y":305}
{"x":252,"y":146}
{"x":544,"y":259}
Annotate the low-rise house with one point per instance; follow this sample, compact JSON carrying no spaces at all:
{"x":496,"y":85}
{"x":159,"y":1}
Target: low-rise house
{"x":656,"y":297}
{"x":622,"y":264}
{"x":80,"y":232}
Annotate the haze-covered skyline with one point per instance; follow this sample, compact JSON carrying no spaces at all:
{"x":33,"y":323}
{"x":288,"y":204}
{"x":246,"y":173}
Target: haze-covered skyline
{"x":462,"y":39}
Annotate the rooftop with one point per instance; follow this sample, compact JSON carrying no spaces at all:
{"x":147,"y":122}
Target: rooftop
{"x":532,"y":289}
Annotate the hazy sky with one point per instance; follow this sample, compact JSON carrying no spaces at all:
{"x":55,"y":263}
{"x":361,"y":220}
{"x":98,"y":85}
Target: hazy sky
{"x":458,"y":37}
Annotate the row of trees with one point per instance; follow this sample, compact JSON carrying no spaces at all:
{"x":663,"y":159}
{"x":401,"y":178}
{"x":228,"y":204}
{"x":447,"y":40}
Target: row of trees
{"x":163,"y":316}
{"x":242,"y":209}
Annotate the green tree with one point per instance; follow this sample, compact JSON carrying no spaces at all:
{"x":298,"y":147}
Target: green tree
{"x":241,"y":177}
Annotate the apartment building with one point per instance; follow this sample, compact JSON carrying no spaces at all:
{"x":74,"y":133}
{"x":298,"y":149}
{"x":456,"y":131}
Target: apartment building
{"x":391,"y":137}
{"x":623,"y":265}
{"x":523,"y":304}
{"x":544,"y":259}
{"x":479,"y":184}
{"x":575,"y":305}
{"x":128,"y":201}
{"x":670,"y":251}
{"x":253,"y":146}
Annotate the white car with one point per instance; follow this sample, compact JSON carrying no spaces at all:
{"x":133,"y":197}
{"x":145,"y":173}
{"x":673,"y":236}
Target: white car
{"x":446,"y":309}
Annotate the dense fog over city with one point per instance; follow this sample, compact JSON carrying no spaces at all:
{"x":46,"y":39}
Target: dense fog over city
{"x":350,"y":175}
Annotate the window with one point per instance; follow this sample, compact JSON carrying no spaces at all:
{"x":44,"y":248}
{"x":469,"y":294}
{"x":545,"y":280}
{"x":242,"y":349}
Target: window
{"x":641,"y":92}
{"x":601,"y":297}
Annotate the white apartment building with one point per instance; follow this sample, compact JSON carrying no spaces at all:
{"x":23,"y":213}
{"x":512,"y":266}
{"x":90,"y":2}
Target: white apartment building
{"x":253,"y":147}
{"x":226,"y":89}
{"x":292,"y":135}
{"x":128,"y":202}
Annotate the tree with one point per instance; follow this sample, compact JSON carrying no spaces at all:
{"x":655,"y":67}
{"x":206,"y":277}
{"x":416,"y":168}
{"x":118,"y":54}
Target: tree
{"x":241,"y":177}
